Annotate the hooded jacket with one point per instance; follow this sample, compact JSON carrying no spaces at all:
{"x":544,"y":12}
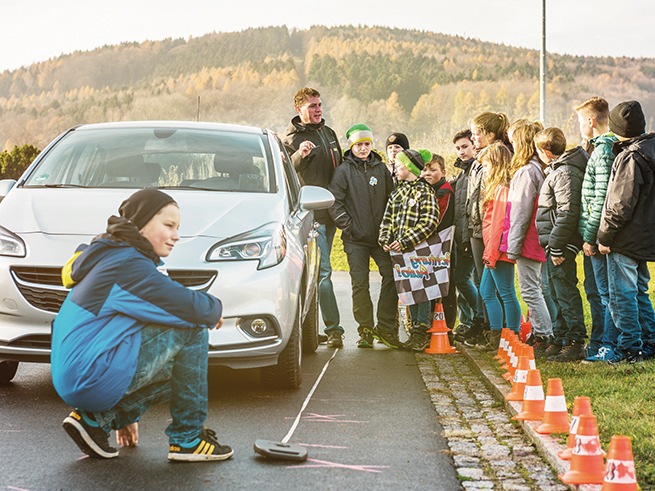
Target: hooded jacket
{"x":317,"y":168}
{"x":97,"y":334}
{"x":559,"y":203}
{"x":594,"y":185}
{"x":475,"y":191}
{"x":522,"y":238}
{"x":361,"y":190}
{"x":460,"y":187}
{"x":628,"y":221}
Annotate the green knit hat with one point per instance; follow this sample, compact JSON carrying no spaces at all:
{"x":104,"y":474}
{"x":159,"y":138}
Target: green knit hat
{"x":411,"y":159}
{"x":358,"y":133}
{"x":426,"y":155}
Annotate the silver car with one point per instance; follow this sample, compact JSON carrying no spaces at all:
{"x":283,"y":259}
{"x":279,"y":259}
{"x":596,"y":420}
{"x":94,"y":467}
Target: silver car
{"x":247,"y":235}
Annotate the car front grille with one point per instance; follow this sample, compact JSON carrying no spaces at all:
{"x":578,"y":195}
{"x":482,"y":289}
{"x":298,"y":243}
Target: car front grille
{"x":43,"y":289}
{"x":40,"y":341}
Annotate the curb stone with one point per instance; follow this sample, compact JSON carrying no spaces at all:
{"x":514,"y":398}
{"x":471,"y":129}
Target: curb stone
{"x":488,"y":449}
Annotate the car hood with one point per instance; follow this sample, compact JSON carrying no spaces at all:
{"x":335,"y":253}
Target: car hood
{"x":84,"y":212}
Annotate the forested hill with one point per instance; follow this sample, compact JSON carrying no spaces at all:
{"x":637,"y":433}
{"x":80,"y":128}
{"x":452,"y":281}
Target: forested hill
{"x":426,"y":84}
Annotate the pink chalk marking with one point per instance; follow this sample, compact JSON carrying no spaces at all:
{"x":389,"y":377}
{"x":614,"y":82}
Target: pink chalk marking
{"x":17,"y":489}
{"x":336,"y":465}
{"x":328,"y":418}
{"x":322,"y":446}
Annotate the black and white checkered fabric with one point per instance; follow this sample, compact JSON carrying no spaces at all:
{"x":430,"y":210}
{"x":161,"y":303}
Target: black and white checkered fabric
{"x":422,"y":274}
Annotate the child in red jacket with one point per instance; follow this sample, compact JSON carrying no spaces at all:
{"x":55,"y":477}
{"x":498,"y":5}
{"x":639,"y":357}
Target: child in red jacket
{"x":498,"y":276}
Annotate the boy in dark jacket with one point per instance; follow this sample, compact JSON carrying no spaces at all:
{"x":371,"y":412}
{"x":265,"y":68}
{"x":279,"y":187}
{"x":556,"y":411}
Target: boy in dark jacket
{"x":558,"y":214}
{"x":627,"y":233}
{"x":361,"y":186}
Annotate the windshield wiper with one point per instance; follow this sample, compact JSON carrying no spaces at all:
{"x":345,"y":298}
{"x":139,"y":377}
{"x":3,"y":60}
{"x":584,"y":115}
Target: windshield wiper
{"x":63,"y":186}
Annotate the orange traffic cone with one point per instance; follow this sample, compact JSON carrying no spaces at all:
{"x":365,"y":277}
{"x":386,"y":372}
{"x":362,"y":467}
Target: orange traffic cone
{"x":587,"y":460}
{"x":514,"y":361}
{"x":520,"y":378}
{"x":511,"y":347}
{"x":526,"y":327}
{"x":439,"y":343}
{"x":581,"y":405}
{"x":502,"y":346}
{"x":620,"y":472}
{"x":556,"y":417}
{"x":533,"y":398}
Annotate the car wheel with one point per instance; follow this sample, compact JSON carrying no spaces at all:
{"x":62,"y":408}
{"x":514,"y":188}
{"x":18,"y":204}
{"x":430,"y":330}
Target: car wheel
{"x":287,"y":374}
{"x":310,"y":326}
{"x":7,"y":371}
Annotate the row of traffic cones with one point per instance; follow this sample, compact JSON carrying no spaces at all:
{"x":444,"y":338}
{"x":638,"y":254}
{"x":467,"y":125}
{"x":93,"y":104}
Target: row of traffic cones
{"x":583,"y":445}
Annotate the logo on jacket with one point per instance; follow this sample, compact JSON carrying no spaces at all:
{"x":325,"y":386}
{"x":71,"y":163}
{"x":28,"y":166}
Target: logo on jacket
{"x":373,"y":181}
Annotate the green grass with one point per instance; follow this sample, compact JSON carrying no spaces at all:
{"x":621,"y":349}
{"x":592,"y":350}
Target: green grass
{"x":622,"y":397}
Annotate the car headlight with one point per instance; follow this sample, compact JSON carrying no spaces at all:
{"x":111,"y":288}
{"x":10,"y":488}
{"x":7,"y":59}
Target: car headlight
{"x":268,"y":244}
{"x":11,"y":244}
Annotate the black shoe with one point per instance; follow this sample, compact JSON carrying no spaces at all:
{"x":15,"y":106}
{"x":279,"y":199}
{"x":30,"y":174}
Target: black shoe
{"x":92,"y":440}
{"x":553,"y":350}
{"x":571,"y":352}
{"x":630,"y":356}
{"x":474,"y":335}
{"x":418,"y":341}
{"x":335,"y":340}
{"x":204,"y":448}
{"x":365,"y":340}
{"x":460,"y":333}
{"x":540,"y":346}
{"x":387,"y":338}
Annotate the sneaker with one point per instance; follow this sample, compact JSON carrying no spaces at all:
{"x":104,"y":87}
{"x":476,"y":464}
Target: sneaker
{"x":335,"y":340}
{"x":87,"y":434}
{"x":552,"y":351}
{"x":591,"y":350}
{"x":418,"y":341}
{"x":460,"y":333}
{"x":322,"y":338}
{"x":540,"y":347}
{"x":365,"y":340}
{"x":604,"y":353}
{"x":570,"y":352}
{"x":389,"y":339}
{"x":473,"y":334}
{"x":630,"y":356}
{"x":648,"y":351}
{"x":204,"y":448}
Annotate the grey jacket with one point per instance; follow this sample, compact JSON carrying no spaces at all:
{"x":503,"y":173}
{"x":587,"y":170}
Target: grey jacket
{"x":460,"y":186}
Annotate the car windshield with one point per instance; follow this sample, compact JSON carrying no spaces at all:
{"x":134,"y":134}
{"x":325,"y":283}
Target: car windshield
{"x":137,"y":157}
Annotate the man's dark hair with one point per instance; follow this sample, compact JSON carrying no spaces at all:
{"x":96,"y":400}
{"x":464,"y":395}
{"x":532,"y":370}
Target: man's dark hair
{"x":466,"y":133}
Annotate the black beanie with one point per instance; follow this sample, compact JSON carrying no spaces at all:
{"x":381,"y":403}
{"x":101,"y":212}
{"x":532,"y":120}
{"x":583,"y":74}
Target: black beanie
{"x":143,"y":205}
{"x":627,"y":120}
{"x":411,"y":159}
{"x":398,"y":139}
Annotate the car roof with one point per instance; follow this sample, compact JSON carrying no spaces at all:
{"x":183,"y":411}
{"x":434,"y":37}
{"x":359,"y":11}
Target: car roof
{"x":200,"y":125}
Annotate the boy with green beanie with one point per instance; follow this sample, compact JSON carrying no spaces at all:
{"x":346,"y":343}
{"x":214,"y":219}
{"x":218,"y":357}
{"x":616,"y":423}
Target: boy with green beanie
{"x":361,"y":186}
{"x":411,"y":216}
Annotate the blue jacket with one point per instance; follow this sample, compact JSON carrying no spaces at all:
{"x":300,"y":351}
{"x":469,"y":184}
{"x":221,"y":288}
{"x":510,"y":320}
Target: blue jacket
{"x":97,"y":334}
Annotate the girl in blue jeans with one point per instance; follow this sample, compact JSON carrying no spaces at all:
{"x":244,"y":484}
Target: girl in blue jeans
{"x":498,"y":276}
{"x":127,"y":337}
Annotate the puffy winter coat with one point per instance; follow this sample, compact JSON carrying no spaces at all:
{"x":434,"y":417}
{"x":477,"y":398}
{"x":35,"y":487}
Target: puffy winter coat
{"x":628,"y":220}
{"x":594,"y":186}
{"x":475,"y":191}
{"x":360,"y":189}
{"x":460,"y":188}
{"x":559,"y":203}
{"x":522,"y":238}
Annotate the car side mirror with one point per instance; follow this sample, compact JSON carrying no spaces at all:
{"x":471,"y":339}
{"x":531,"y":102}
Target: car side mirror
{"x":5,"y":186}
{"x":315,"y":198}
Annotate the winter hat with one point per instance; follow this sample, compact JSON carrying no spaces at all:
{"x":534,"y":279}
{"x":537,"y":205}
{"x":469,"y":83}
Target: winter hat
{"x":627,"y":119}
{"x":426,"y":155}
{"x":358,"y":133}
{"x":398,"y":139}
{"x":143,"y":205}
{"x":412,"y":160}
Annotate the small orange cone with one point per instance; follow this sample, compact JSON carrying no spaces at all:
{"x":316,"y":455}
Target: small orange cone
{"x":511,"y":346}
{"x":587,"y":460}
{"x":439,"y":343}
{"x":514,"y":361}
{"x":581,"y":405}
{"x":556,"y":417}
{"x":502,"y":346}
{"x":533,"y":398}
{"x":520,"y":379}
{"x":620,"y":472}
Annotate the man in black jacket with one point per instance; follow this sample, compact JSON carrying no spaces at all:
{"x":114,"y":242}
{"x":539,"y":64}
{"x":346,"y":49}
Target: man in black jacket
{"x":361,"y":188}
{"x":627,"y":232}
{"x":315,"y":153}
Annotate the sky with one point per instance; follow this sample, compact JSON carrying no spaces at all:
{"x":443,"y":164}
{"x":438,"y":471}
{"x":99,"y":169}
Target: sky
{"x":37,"y":30}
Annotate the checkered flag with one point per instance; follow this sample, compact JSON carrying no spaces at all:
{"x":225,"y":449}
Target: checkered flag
{"x":422,"y":273}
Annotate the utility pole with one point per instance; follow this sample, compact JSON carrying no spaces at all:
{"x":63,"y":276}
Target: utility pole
{"x":198,"y":107}
{"x":542,"y":66}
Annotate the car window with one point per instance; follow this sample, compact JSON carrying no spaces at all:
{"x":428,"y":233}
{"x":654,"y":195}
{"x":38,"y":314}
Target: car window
{"x":291,"y":178}
{"x":137,"y":157}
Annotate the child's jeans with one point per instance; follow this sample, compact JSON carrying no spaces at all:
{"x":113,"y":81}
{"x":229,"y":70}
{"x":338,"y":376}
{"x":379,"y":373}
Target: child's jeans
{"x":569,"y":325}
{"x":499,"y":281}
{"x":529,"y":273}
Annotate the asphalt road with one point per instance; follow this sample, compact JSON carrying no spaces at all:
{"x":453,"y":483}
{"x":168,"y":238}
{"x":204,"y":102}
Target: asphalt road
{"x":368,"y":425}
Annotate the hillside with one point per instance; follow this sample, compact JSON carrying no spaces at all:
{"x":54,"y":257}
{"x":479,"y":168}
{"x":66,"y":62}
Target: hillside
{"x":426,"y":84}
